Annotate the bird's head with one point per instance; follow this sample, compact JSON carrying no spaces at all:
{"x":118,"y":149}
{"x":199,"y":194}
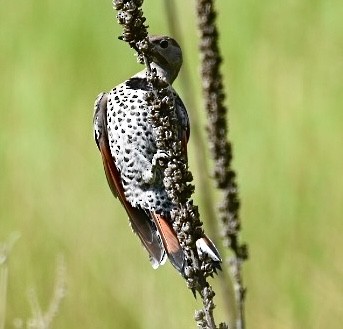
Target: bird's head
{"x":167,"y":56}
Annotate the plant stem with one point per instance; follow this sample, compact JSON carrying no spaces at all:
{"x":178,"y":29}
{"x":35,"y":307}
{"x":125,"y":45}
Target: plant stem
{"x":221,"y":149}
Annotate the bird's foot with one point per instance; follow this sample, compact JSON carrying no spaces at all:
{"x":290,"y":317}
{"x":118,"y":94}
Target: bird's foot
{"x":149,"y":175}
{"x":159,"y":155}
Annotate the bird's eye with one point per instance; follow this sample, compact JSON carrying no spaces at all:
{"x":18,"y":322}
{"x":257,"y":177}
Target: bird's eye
{"x":164,"y":43}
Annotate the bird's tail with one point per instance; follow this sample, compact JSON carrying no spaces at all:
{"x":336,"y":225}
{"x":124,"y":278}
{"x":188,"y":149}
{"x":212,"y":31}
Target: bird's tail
{"x":206,"y":246}
{"x":170,"y":241}
{"x":173,"y":248}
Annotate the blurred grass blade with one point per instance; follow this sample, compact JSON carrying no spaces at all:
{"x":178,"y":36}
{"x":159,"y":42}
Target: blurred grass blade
{"x":5,"y":249}
{"x":3,"y":293}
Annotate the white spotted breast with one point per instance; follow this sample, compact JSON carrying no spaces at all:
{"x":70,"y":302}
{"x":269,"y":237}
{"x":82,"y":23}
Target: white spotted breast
{"x":132,"y":143}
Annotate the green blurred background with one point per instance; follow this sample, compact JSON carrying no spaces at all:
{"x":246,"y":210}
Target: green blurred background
{"x":283,"y":69}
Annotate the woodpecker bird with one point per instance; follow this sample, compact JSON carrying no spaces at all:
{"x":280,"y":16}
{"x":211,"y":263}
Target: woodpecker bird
{"x":127,"y":144}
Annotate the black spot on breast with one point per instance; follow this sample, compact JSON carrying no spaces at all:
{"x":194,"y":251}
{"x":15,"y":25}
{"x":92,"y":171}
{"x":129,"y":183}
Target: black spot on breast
{"x":138,"y":83}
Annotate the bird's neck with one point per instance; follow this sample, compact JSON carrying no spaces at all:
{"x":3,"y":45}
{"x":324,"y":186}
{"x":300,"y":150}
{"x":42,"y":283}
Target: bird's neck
{"x":167,"y":75}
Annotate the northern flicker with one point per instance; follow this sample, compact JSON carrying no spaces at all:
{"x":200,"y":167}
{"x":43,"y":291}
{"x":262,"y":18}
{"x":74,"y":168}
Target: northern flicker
{"x":130,"y":157}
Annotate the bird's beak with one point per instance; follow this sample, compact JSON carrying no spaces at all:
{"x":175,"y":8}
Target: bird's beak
{"x":158,"y":58}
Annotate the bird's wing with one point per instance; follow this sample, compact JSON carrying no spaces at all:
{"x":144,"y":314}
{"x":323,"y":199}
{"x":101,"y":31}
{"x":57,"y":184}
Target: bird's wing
{"x":140,"y":222}
{"x":183,"y":119}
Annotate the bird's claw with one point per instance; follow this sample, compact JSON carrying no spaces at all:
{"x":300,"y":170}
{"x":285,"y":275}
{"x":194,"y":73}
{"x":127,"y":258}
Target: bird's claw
{"x":159,"y":155}
{"x":149,"y":175}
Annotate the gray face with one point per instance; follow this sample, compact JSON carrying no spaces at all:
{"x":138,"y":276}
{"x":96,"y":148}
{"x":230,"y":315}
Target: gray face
{"x":167,"y":55}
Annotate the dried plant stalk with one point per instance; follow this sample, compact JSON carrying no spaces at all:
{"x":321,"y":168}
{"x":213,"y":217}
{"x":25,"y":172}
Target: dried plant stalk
{"x":212,"y":84}
{"x":38,"y":318}
{"x":177,"y":176}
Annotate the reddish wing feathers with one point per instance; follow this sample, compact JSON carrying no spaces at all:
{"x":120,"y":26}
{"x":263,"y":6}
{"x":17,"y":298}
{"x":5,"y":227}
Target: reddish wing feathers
{"x":184,"y":142}
{"x":140,"y":222}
